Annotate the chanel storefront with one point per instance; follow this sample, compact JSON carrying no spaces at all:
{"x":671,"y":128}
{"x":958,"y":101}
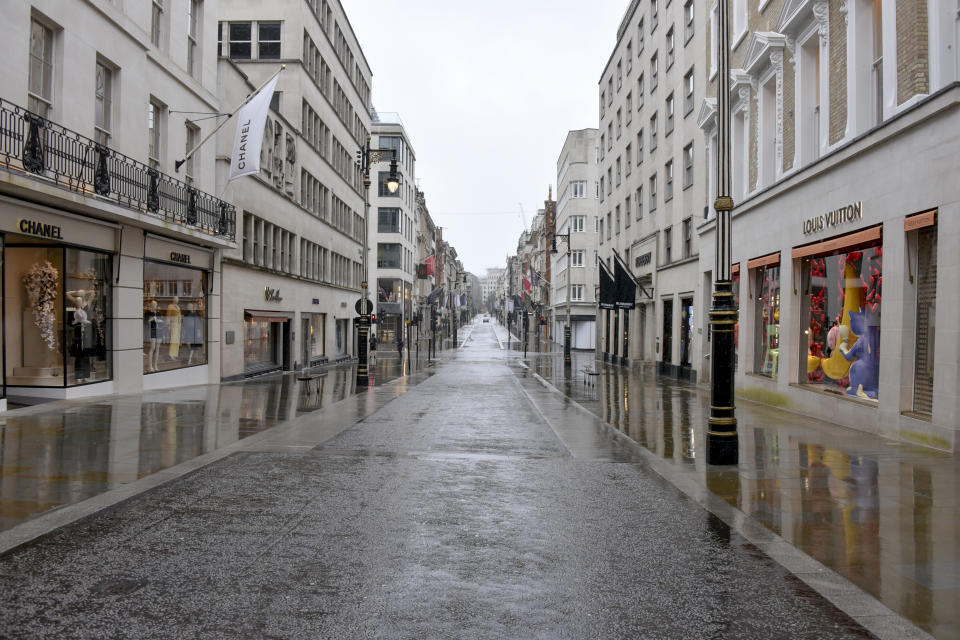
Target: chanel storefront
{"x":177,"y":280}
{"x":92,"y":307}
{"x":58,"y":302}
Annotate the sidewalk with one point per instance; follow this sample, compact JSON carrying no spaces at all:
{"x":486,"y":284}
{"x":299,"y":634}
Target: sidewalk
{"x":884,"y":515}
{"x":62,"y":453}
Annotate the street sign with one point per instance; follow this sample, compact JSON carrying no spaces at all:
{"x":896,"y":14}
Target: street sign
{"x":363,"y":309}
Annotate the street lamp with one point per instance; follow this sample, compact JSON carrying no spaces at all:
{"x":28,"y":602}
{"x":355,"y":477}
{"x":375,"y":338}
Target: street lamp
{"x":365,"y":157}
{"x":566,"y":326}
{"x":722,"y":443}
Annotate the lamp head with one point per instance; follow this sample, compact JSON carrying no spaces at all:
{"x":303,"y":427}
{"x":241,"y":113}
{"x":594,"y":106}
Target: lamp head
{"x":393,"y":182}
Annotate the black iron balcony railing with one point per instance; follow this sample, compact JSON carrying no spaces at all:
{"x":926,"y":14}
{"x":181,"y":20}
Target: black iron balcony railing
{"x":38,"y":146}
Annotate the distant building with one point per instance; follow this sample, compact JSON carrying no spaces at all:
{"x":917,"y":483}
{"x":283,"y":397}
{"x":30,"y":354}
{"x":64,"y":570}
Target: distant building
{"x":393,"y":228}
{"x":574,"y":280}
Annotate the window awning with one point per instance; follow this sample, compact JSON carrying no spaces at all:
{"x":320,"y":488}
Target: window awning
{"x":771,"y":259}
{"x":850,"y":242}
{"x":265,"y":316}
{"x":920,"y":220}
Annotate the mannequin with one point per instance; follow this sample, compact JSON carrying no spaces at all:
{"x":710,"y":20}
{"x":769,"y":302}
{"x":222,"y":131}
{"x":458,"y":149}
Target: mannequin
{"x":175,"y":318}
{"x":193,"y":332}
{"x":152,"y":333}
{"x":82,"y":333}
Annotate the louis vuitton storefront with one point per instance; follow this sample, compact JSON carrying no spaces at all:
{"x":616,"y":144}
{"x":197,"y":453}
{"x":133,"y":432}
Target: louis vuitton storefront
{"x":844,"y":296}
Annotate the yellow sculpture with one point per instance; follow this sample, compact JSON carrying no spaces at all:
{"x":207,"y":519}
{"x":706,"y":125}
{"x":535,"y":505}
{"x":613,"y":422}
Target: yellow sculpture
{"x":836,"y":366}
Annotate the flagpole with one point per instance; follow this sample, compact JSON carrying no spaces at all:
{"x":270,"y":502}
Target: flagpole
{"x":179,"y":163}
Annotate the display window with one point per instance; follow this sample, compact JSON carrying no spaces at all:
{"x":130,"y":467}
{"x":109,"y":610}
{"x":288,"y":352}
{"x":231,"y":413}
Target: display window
{"x":841,"y":307}
{"x":58,"y":315}
{"x":261,"y":348}
{"x":174,"y":317}
{"x":766,"y":345}
{"x":314,"y":337}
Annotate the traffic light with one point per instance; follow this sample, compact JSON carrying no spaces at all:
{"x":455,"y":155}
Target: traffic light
{"x":373,"y":318}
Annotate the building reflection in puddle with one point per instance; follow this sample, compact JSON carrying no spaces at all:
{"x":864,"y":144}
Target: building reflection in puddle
{"x":884,"y":515}
{"x":61,"y":456}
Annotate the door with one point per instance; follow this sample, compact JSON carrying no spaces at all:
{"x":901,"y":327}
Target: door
{"x":686,"y":330}
{"x":666,"y":352}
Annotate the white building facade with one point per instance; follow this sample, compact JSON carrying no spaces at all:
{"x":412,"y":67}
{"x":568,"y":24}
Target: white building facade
{"x":111,"y":258}
{"x":652,"y":182}
{"x":574,"y":266}
{"x":394,"y":226}
{"x":292,"y":282}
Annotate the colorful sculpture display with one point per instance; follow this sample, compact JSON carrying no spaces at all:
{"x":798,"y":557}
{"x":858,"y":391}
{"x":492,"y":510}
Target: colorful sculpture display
{"x":864,"y":355}
{"x":848,"y":352}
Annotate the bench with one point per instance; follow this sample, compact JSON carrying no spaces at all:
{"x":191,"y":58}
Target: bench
{"x":589,"y":376}
{"x":311,"y":381}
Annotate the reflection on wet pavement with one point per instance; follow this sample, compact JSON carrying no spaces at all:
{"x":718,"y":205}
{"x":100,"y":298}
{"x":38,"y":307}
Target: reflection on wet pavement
{"x":885,"y":515}
{"x":62,"y":453}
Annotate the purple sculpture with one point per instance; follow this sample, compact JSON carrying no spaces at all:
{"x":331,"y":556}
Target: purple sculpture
{"x":865,"y":355}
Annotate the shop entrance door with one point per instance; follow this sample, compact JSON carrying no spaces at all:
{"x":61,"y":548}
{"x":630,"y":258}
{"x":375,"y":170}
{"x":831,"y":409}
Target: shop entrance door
{"x":666,"y":354}
{"x":686,"y":330}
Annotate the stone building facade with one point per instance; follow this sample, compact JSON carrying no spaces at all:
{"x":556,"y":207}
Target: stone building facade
{"x":845,"y":129}
{"x":292,"y":282}
{"x":574,"y":273}
{"x":652,"y":184}
{"x":111,"y":255}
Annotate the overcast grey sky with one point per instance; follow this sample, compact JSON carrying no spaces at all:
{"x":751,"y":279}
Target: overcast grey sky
{"x":487,"y":92}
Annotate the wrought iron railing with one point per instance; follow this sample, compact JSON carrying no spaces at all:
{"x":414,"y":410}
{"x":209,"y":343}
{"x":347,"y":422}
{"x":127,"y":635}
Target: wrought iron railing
{"x":35,"y":145}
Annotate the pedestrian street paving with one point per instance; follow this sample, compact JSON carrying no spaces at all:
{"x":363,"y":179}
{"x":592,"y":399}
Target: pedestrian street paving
{"x":471,"y":499}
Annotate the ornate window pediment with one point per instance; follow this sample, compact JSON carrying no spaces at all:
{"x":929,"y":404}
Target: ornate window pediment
{"x":707,"y":118}
{"x":795,"y":15}
{"x":798,"y":15}
{"x":762,"y":45}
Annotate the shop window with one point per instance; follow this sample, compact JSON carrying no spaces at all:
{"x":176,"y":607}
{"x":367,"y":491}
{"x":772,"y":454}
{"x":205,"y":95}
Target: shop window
{"x":58,"y":316}
{"x":314,"y":338}
{"x":766,"y":351}
{"x":174,"y":317}
{"x":841,"y":310}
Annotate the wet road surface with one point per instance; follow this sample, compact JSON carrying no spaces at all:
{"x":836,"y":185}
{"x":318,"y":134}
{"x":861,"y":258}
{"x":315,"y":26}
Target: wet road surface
{"x":882,"y":514}
{"x":474,"y":504}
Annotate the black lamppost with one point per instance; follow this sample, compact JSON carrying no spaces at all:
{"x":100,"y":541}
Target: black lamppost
{"x":566,"y":325}
{"x":722,"y":441}
{"x":365,"y":157}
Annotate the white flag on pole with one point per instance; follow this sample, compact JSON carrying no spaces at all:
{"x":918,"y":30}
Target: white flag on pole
{"x":251,"y":119}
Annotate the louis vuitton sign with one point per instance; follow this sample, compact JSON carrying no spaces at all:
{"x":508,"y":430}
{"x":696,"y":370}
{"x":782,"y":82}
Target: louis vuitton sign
{"x":835,"y":218}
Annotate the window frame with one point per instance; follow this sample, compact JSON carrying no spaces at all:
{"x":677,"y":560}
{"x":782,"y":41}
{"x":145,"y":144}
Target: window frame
{"x":103,"y":103}
{"x":47,"y":67}
{"x":688,"y":160}
{"x":668,"y":180}
{"x":261,"y":41}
